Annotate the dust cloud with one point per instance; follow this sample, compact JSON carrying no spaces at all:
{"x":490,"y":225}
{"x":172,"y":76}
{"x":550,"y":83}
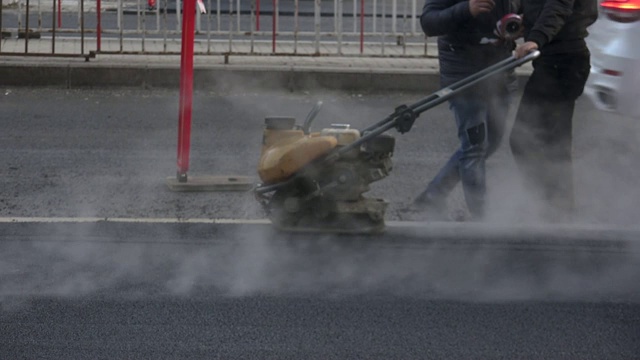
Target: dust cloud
{"x":605,"y":151}
{"x":255,"y":260}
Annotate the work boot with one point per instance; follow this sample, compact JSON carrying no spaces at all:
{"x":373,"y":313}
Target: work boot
{"x":460,"y":215}
{"x":559,"y":211}
{"x":426,"y":207}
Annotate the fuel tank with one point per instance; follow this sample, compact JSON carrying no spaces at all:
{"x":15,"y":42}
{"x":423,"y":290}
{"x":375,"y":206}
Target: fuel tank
{"x":286,"y":149}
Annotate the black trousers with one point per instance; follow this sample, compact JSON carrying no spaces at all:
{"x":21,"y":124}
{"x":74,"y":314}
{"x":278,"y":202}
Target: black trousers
{"x":541,"y":138}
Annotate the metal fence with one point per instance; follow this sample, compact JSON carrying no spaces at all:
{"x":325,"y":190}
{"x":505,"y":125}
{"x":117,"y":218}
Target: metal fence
{"x":386,"y":28}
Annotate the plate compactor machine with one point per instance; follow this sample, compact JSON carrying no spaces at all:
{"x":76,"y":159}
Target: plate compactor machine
{"x":315,"y":181}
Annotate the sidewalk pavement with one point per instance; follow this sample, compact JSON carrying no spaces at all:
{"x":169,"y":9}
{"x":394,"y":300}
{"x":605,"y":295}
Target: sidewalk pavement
{"x":351,"y":72}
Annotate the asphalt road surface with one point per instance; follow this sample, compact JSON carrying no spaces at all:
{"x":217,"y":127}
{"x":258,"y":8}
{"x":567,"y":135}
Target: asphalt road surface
{"x":166,"y":291}
{"x":107,"y":153}
{"x":141,"y":283}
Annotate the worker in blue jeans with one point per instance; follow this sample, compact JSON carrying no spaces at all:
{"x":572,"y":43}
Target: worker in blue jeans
{"x":481,"y":116}
{"x":467,"y":44}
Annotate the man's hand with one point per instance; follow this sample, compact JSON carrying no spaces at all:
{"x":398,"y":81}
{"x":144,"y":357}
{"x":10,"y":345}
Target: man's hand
{"x":478,"y":7}
{"x":523,"y":49}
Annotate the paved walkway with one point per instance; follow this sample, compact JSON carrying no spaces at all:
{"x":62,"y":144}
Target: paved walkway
{"x":401,"y":67}
{"x":257,"y":53}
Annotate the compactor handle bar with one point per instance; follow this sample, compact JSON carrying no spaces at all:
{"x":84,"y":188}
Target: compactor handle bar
{"x":405,"y":115}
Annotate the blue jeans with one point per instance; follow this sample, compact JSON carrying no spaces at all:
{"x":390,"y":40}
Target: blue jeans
{"x":481,"y":116}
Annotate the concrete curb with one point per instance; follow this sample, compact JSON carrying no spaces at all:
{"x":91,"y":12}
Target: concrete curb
{"x":565,"y":238}
{"x":220,"y":78}
{"x":215,"y":79}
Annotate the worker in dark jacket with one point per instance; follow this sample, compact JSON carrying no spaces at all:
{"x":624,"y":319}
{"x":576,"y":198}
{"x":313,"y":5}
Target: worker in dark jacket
{"x":467,"y":43}
{"x":541,"y":138}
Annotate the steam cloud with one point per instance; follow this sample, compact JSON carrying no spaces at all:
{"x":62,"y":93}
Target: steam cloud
{"x":254,"y":262}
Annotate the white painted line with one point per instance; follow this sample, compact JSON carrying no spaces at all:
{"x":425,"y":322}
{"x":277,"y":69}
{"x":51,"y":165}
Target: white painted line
{"x":492,"y":227}
{"x":430,"y":226}
{"x":184,"y":221}
{"x":132,"y":220}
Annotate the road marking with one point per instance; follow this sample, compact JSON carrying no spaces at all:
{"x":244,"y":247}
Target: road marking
{"x":432,"y":227}
{"x":131,"y":220}
{"x":54,"y":219}
{"x":164,"y":221}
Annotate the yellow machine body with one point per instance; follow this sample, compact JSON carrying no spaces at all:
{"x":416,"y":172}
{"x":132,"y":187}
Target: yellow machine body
{"x":315,"y":195}
{"x":284,"y":152}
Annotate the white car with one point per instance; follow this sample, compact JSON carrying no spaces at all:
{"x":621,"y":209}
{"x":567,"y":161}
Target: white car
{"x":614,"y":42}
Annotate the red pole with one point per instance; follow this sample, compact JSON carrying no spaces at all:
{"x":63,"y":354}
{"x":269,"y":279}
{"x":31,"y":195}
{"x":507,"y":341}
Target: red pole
{"x":59,"y":13}
{"x":257,"y":15}
{"x":99,"y":25}
{"x":186,"y":88}
{"x":361,"y":26}
{"x":273,"y":28}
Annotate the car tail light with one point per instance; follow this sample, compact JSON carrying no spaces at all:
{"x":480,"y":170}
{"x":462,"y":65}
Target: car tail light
{"x":612,"y":72}
{"x":624,"y":11}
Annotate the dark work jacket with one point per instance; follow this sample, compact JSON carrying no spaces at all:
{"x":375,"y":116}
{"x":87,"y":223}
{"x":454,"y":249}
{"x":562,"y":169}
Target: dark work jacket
{"x":558,"y":26}
{"x":460,"y":51}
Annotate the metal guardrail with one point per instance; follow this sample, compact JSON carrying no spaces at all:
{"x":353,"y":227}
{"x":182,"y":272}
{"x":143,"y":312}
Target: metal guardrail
{"x":379,"y":28}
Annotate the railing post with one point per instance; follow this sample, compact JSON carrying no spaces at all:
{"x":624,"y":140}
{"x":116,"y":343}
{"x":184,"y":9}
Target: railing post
{"x":82,"y":28}
{"x":394,"y":16}
{"x":198,"y":18}
{"x":230,"y":26}
{"x":273,"y":26}
{"x":257,"y":15}
{"x":142,"y":23}
{"x":186,"y":88}
{"x":384,"y":25}
{"x":316,"y":24}
{"x":179,"y":5}
{"x":39,"y":9}
{"x":26,"y":31}
{"x":120,"y":26}
{"x":53,"y":26}
{"x":165,"y":27}
{"x":238,"y":16}
{"x":1,"y":32}
{"x":361,"y":27}
{"x":99,"y":25}
{"x":296,"y":25}
{"x":414,"y":13}
{"x":354,"y":15}
{"x":209,"y":26}
{"x":339,"y":17}
{"x":374,"y":15}
{"x":253,"y":26}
